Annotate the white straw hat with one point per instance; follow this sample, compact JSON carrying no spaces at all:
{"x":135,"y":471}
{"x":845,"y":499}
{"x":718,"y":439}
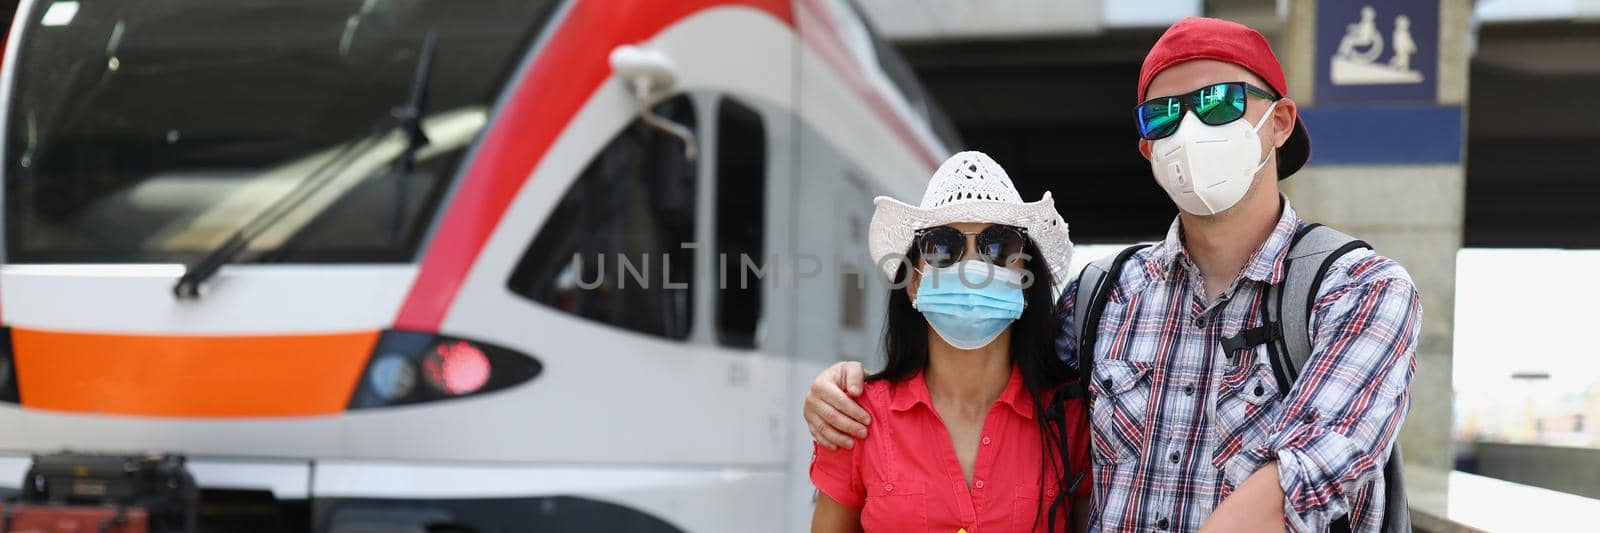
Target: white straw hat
{"x":968,"y":187}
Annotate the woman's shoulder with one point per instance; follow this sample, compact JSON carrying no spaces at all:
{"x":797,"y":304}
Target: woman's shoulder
{"x":878,"y":388}
{"x":876,"y":395}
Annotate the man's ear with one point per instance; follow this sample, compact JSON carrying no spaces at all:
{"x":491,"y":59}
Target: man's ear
{"x":1283,"y":117}
{"x":1144,"y":148}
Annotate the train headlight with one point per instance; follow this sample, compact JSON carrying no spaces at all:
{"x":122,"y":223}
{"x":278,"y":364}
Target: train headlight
{"x":393,"y":376}
{"x":452,"y":368}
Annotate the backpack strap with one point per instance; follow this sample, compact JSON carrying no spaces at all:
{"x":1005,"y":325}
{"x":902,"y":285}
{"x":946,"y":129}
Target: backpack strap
{"x":1094,"y":288}
{"x":1277,"y":331}
{"x":1311,"y":255}
{"x":1396,"y":507}
{"x":1095,"y":284}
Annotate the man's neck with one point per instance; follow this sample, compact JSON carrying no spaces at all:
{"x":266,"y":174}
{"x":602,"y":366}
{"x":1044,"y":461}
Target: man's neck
{"x":969,"y":380}
{"x":1222,"y":244}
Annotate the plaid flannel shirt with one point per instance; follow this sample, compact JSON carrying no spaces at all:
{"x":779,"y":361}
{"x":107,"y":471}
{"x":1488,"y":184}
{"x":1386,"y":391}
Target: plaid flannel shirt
{"x":1178,"y":423}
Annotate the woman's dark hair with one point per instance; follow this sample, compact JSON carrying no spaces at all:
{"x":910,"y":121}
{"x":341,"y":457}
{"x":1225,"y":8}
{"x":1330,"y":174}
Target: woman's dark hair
{"x":1033,"y":350}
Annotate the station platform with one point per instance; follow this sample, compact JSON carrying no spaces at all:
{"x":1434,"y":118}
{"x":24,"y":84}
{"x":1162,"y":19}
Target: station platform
{"x":1459,"y":502}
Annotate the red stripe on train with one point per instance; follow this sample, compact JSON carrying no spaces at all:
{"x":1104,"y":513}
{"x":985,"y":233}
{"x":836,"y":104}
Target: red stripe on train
{"x":569,"y":68}
{"x":564,"y":74}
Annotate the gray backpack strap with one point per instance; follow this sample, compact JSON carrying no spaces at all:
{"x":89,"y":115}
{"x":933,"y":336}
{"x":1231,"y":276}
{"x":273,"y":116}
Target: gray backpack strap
{"x":1094,"y":288}
{"x":1315,"y":249}
{"x":1396,"y":507}
{"x":1311,"y":255}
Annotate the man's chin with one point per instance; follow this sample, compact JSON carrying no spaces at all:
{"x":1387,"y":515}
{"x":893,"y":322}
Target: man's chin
{"x":1199,"y":207}
{"x":1224,"y":214}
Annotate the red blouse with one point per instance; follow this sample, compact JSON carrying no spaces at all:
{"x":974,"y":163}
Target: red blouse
{"x":905,"y":476}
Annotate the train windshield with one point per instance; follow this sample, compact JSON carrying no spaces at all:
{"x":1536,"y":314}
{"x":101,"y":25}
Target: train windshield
{"x":150,"y":132}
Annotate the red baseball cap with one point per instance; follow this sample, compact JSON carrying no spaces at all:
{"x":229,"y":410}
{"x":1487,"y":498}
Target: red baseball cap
{"x":1207,"y":38}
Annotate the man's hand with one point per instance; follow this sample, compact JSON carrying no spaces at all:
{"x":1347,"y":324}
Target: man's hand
{"x":1257,"y":506}
{"x":831,"y":414}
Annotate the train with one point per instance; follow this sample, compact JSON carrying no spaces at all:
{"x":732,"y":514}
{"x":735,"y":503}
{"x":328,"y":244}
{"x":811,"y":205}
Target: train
{"x":387,"y":265}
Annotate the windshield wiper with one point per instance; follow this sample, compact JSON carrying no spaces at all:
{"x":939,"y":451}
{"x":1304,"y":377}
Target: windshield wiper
{"x":407,"y":118}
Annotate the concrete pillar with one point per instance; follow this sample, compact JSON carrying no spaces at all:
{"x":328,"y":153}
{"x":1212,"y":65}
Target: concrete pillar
{"x":1409,"y":208}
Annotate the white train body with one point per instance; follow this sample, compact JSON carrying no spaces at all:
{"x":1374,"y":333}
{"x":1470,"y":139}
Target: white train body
{"x":676,"y":408}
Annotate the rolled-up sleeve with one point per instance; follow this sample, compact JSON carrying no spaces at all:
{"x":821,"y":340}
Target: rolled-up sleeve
{"x":834,"y":473}
{"x":1336,"y":428}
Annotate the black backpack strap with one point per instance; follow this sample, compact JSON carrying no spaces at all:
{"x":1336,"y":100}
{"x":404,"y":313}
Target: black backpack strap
{"x":1272,"y":330}
{"x":1094,"y":288}
{"x":1095,"y":284}
{"x":1284,"y":369}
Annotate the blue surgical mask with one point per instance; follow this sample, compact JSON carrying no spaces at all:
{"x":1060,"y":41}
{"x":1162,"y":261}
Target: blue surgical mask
{"x":971,"y":302}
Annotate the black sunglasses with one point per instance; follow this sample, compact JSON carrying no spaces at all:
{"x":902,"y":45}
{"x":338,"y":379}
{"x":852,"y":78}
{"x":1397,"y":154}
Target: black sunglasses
{"x":943,"y":246}
{"x":1215,"y":105}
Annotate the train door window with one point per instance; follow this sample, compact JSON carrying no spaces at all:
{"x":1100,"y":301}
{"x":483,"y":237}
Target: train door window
{"x":852,"y":278}
{"x":852,"y":301}
{"x":612,"y":251}
{"x":741,"y":221}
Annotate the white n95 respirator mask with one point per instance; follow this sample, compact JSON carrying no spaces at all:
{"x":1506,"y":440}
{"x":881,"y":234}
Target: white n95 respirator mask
{"x":1207,"y":169}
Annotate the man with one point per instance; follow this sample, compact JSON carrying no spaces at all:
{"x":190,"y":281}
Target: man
{"x":1186,"y":435}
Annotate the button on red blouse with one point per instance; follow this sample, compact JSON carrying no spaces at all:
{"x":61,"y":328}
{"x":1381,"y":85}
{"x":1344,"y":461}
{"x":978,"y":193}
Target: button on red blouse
{"x":905,"y":476}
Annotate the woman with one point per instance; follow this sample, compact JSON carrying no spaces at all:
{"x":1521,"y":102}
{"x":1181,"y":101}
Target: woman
{"x":968,"y":434}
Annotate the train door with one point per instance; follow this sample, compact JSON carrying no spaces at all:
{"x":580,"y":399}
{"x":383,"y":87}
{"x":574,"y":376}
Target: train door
{"x":744,"y":291}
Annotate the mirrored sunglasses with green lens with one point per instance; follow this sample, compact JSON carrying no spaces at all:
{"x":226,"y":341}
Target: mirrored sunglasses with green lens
{"x":1214,"y":105}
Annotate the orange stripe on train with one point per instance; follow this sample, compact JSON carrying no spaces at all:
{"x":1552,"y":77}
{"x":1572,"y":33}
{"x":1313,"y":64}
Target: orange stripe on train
{"x":189,"y":376}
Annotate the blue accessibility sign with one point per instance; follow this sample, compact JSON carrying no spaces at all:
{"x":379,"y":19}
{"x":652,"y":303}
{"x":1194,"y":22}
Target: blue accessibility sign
{"x":1371,"y":51}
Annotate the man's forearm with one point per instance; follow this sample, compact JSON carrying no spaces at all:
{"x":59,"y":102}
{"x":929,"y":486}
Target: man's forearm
{"x":1256,"y":506}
